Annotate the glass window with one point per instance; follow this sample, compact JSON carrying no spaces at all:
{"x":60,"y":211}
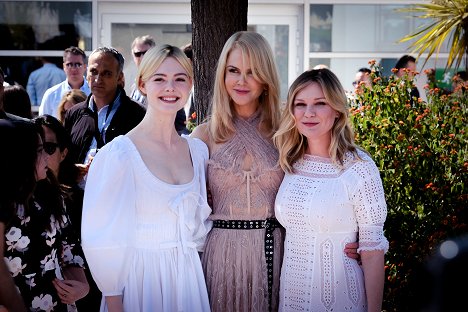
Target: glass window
{"x":122,"y":36}
{"x":33,"y":25}
{"x":361,"y":28}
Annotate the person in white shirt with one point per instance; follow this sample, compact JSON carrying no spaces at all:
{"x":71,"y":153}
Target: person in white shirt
{"x":74,"y":65}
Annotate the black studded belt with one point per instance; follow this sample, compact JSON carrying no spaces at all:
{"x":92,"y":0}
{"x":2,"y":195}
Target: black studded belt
{"x":269,"y":225}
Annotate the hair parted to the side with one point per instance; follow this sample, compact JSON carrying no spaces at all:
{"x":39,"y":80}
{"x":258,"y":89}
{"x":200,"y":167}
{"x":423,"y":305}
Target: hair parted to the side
{"x":154,"y":58}
{"x":291,"y":144}
{"x":264,"y":70}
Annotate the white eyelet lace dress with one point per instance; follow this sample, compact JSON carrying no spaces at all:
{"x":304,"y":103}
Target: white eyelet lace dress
{"x":323,"y":207}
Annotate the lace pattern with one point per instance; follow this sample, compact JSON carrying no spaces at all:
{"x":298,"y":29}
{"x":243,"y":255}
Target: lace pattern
{"x":243,"y":177}
{"x":323,"y":207}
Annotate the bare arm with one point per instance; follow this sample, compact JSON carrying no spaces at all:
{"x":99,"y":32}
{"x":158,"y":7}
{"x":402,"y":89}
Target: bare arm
{"x":114,"y":303}
{"x":374,"y":277}
{"x":9,"y":296}
{"x":201,"y":132}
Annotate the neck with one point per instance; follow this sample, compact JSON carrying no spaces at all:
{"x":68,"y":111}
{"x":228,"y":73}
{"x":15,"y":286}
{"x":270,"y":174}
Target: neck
{"x":246,"y":111}
{"x":319,"y":147}
{"x":159,"y":126}
{"x":75,"y":85}
{"x":103,"y":101}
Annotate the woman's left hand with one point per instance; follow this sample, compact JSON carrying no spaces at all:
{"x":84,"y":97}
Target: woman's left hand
{"x":70,"y":291}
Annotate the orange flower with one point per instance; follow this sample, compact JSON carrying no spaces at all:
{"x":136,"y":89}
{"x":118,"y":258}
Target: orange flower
{"x":194,"y":115}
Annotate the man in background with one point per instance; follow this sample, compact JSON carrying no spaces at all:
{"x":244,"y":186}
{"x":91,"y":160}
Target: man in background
{"x":42,"y":79}
{"x":407,"y":65}
{"x":74,"y":65}
{"x":139,"y":47}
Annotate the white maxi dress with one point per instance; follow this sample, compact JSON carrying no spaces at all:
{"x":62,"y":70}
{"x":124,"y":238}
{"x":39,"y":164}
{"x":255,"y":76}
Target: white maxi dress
{"x":141,"y":236}
{"x":323,"y":207}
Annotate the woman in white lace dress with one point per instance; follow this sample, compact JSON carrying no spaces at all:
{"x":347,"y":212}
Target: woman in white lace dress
{"x":145,"y":211}
{"x":331,"y":195}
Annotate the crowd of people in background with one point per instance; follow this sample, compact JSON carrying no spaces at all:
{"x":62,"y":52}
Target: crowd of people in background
{"x":106,"y":199}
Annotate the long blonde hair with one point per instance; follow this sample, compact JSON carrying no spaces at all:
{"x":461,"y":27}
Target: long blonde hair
{"x":154,"y":58}
{"x":291,"y":144}
{"x":264,"y":70}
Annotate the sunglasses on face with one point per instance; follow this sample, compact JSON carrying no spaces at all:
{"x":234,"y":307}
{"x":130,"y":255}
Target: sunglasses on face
{"x":74,"y":65}
{"x":139,"y":54}
{"x":50,"y":147}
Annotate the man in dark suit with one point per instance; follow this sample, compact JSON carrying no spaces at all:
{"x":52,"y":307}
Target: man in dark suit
{"x":107,"y":113}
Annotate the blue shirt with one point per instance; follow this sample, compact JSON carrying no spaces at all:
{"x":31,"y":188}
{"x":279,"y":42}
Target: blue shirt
{"x":53,"y":96}
{"x":42,"y":79}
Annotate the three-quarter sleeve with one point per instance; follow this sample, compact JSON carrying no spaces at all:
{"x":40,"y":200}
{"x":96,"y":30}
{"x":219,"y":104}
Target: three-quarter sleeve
{"x":370,"y":206}
{"x":109,"y":217}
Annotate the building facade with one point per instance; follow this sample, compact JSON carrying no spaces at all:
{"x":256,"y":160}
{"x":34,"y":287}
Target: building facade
{"x":342,"y":34}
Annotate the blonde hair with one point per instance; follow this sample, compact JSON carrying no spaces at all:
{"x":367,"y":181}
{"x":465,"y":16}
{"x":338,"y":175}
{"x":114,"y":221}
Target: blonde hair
{"x":154,"y":58}
{"x":74,"y":96}
{"x":264,"y":70}
{"x":291,"y":144}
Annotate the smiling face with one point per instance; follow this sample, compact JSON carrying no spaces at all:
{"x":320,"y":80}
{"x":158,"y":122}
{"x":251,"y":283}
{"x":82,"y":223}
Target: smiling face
{"x":240,"y":83}
{"x":169,"y":87}
{"x":314,"y":116}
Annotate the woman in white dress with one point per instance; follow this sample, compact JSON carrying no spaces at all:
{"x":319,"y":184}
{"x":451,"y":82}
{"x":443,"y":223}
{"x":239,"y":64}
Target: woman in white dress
{"x":331,"y":195}
{"x":145,"y":211}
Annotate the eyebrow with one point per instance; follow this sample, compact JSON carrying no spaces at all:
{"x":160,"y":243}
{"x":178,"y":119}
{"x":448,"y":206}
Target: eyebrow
{"x":165,"y":75}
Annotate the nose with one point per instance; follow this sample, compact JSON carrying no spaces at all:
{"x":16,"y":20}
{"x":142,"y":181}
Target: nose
{"x":241,"y":79}
{"x":170,"y":85}
{"x":309,"y":111}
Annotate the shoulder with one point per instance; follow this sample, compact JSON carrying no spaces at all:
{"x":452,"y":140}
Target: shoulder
{"x":363,"y":167}
{"x":116,"y":150}
{"x":78,"y":108}
{"x":198,"y":145}
{"x":56,"y":89}
{"x":202,"y":132}
{"x":128,"y":104}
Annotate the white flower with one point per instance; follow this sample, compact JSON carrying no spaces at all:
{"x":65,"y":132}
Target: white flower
{"x":13,"y":234}
{"x":22,"y":243}
{"x":44,"y":303}
{"x":30,"y":280}
{"x":78,"y":260}
{"x":67,"y":254}
{"x":14,"y":265}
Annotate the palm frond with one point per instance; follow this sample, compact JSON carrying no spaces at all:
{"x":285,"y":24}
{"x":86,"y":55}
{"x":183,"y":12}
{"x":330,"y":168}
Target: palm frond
{"x":449,"y":24}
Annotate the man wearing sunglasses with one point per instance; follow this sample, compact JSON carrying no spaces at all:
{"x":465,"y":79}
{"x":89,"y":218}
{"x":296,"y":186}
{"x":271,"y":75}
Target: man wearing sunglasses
{"x":74,"y":65}
{"x":139,"y":47}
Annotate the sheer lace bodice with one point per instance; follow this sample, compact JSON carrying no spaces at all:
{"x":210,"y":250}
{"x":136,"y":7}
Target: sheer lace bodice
{"x":243,"y":174}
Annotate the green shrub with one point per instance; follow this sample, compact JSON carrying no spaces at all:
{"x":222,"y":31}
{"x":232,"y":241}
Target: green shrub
{"x":421,"y":151}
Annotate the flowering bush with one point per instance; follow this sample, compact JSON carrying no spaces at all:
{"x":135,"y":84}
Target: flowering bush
{"x":421,"y":151}
{"x":191,"y":122}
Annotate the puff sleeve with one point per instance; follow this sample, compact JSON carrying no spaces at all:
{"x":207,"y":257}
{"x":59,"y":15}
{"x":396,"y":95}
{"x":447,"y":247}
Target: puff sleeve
{"x":370,"y":206}
{"x":109,"y":217}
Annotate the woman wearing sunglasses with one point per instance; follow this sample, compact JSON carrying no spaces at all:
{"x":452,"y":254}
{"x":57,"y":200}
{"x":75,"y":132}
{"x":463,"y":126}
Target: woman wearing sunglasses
{"x":56,"y":143}
{"x":42,"y":252}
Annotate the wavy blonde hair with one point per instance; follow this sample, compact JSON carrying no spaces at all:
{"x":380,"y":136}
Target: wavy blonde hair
{"x":264,"y":70}
{"x":291,"y":144}
{"x":154,"y":58}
